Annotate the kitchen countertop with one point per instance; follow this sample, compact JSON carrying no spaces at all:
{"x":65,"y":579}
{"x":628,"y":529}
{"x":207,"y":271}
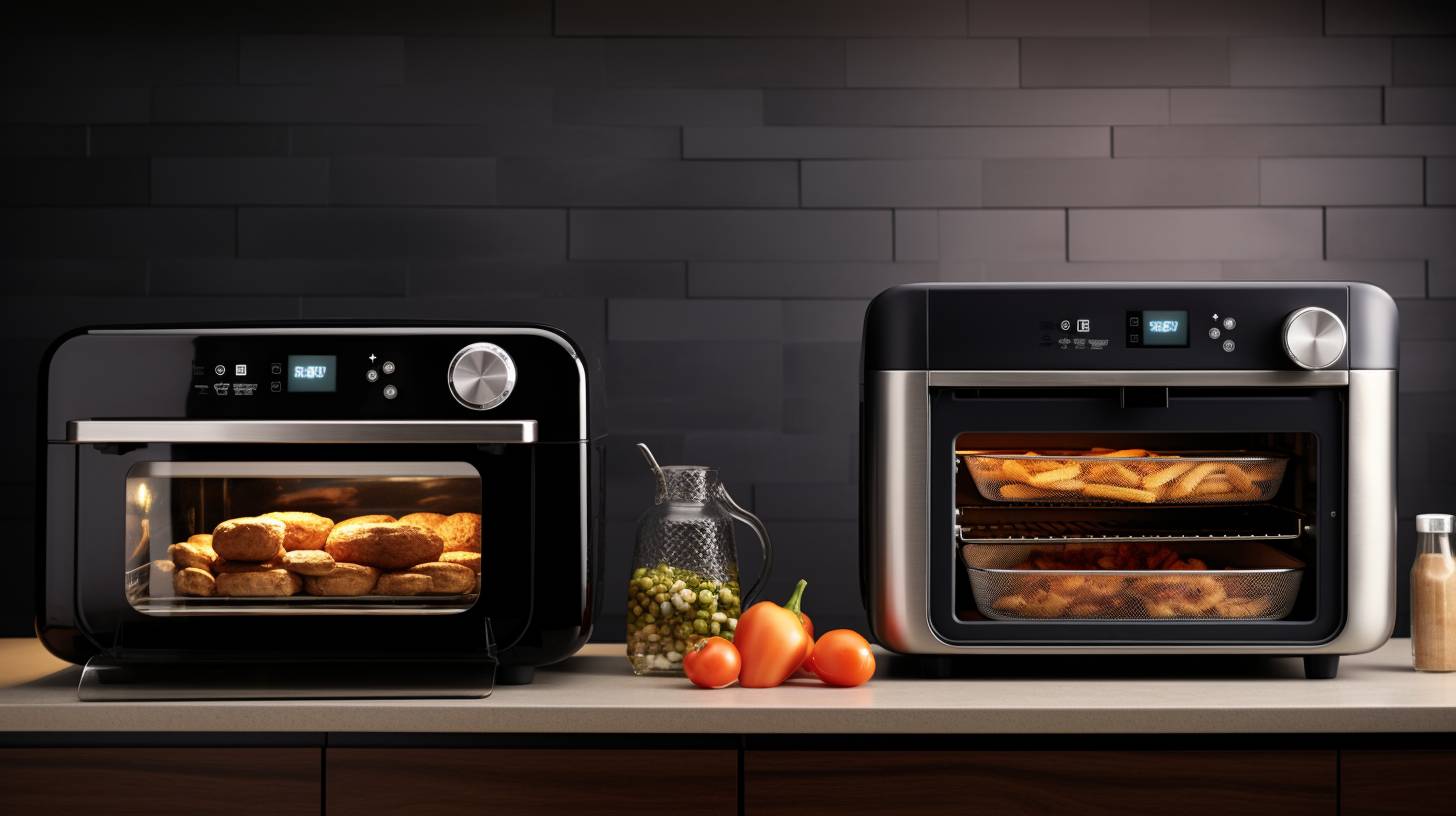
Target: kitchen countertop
{"x":595,"y":692}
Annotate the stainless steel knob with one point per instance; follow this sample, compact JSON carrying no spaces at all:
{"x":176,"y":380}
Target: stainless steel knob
{"x":1313,"y":337}
{"x":482,"y":376}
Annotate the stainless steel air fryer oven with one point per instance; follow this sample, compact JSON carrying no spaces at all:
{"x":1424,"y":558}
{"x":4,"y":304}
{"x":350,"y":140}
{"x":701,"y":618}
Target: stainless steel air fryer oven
{"x":1130,"y":468}
{"x":154,"y":437}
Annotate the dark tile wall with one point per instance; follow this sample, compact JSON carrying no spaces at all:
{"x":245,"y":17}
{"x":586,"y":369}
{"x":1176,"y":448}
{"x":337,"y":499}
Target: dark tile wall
{"x":706,"y":193}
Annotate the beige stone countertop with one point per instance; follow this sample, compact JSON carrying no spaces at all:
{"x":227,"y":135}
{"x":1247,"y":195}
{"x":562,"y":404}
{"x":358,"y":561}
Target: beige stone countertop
{"x":596,"y":692}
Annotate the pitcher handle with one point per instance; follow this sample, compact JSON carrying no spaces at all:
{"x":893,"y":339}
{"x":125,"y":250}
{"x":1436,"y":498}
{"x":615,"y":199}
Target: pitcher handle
{"x":765,"y":544}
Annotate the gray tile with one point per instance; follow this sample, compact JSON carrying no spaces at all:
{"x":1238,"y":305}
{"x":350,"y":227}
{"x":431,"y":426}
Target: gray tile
{"x":1422,"y":319}
{"x":635,"y":62}
{"x":117,"y":233}
{"x":746,"y":457}
{"x":306,"y":104}
{"x":821,"y":385}
{"x":504,"y":139}
{"x":189,"y":140}
{"x":1123,"y":62}
{"x":1193,"y":235}
{"x":61,"y":106}
{"x":807,"y":501}
{"x":259,"y":181}
{"x":1417,"y":17}
{"x":936,"y":183}
{"x":1420,"y":105}
{"x":629,"y":183}
{"x":412,"y":181}
{"x":321,"y":60}
{"x":275,"y":276}
{"x":1427,"y":367}
{"x":1391,"y":232}
{"x":1441,"y":275}
{"x":49,"y":276}
{"x":1141,"y":106}
{"x":873,"y":106}
{"x":694,"y":386}
{"x":1057,"y":18}
{"x":42,"y":140}
{"x":1277,"y":140}
{"x":48,"y":317}
{"x":824,"y":321}
{"x":1120,"y":182}
{"x":1424,"y":61}
{"x":1402,"y":279}
{"x":1037,"y":271}
{"x":730,"y":235}
{"x":694,"y":321}
{"x":468,"y":277}
{"x":36,"y":181}
{"x":121,"y":59}
{"x":1285,"y":61}
{"x":1275,"y":106}
{"x":1003,"y":235}
{"x":1336,"y":182}
{"x":658,"y":106}
{"x":502,"y":18}
{"x":894,"y":143}
{"x":930,"y":63}
{"x":1441,"y":181}
{"x":917,"y":235}
{"x":762,"y":18}
{"x":583,"y":319}
{"x":802,"y":280}
{"x":401,"y":233}
{"x":1237,"y":17}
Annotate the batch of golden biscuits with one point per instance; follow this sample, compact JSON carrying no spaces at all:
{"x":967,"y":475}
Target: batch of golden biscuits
{"x":284,"y":553}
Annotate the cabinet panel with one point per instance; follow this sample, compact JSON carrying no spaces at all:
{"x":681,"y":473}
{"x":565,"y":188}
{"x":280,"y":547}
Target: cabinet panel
{"x":160,"y":781}
{"x":529,"y":781}
{"x":1391,"y":783}
{"x":1118,"y":783}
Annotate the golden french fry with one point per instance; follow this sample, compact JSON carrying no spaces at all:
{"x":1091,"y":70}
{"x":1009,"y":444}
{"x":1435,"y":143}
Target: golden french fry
{"x":1018,"y":492}
{"x":1188,"y":482}
{"x":1014,"y":470}
{"x":1107,"y":491}
{"x":1162,"y":476}
{"x":1212,"y":486}
{"x":1127,"y":453}
{"x":1047,"y":477}
{"x":1068,"y":485}
{"x":1239,"y":478}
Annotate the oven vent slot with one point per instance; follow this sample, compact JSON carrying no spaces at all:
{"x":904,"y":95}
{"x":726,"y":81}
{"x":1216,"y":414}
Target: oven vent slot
{"x":999,"y":526}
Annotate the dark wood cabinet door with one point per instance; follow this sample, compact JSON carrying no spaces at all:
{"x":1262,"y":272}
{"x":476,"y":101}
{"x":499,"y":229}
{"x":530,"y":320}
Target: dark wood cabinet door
{"x":530,"y":781}
{"x":160,"y":781}
{"x":1087,"y":783}
{"x":1392,"y":783}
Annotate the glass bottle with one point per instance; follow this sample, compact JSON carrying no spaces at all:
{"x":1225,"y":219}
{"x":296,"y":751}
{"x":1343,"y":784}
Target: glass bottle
{"x":1433,"y":595}
{"x":684,"y":584}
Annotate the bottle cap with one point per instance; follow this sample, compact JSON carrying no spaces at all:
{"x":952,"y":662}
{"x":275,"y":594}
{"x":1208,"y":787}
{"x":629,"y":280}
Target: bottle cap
{"x":1433,"y":523}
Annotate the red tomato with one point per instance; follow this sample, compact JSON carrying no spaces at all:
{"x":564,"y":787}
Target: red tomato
{"x":804,"y":668}
{"x":713,"y":664}
{"x":843,"y":658}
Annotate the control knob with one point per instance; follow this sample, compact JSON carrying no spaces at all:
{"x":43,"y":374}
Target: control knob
{"x":482,"y":376}
{"x":1314,"y":338}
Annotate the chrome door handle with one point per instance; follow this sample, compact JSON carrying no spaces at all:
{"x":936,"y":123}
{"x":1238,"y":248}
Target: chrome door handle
{"x":300,"y":431}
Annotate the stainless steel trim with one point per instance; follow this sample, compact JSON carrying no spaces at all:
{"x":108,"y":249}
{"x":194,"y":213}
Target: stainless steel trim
{"x":161,"y":469}
{"x":300,"y":431}
{"x":1085,"y":378}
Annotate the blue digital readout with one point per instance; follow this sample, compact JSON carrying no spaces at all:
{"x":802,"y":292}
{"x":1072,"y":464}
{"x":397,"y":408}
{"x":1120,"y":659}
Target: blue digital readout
{"x":312,"y":372}
{"x":1165,"y":327}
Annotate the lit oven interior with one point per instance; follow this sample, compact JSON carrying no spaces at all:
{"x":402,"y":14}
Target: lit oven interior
{"x":1146,"y":526}
{"x":302,"y":538}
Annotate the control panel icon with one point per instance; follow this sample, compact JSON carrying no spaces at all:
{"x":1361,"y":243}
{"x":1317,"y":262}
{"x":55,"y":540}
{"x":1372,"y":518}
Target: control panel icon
{"x":1084,"y":325}
{"x":220,"y":371}
{"x":240,"y":370}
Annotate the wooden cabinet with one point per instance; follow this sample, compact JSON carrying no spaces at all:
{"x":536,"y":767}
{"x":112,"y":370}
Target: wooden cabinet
{"x":1118,"y":783}
{"x":529,"y":781}
{"x":160,"y":781}
{"x":1392,"y":783}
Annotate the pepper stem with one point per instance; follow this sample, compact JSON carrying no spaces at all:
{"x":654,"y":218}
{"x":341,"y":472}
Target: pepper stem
{"x":797,"y":598}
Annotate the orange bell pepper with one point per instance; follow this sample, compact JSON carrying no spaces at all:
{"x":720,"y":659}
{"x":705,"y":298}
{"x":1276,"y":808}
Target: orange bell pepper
{"x":772,"y":641}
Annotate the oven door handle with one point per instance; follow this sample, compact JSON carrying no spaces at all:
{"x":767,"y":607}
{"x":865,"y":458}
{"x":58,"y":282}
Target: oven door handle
{"x":300,"y":431}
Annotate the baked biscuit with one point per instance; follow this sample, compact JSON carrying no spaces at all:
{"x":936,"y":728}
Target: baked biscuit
{"x":468,"y":559}
{"x":249,"y":538}
{"x":274,"y":583}
{"x":303,"y":531}
{"x":308,"y":562}
{"x":345,"y":580}
{"x":377,"y":518}
{"x":200,"y":538}
{"x":194,"y":582}
{"x":446,"y":578}
{"x":223,"y":566}
{"x":186,"y":554}
{"x":387,"y":546}
{"x":404,"y":583}
{"x":461,"y":532}
{"x":429,"y":521}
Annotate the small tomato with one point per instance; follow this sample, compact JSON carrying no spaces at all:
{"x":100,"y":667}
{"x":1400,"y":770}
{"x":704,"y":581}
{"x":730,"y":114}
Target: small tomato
{"x":843,"y":658}
{"x":713,"y":664}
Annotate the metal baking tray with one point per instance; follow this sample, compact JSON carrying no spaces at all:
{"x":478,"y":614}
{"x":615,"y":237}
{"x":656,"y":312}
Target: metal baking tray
{"x":1257,"y":582}
{"x":1171,"y":478}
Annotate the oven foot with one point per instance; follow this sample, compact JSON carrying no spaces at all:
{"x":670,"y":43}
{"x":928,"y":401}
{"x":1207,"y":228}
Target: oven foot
{"x":1321,"y":667}
{"x":514,"y":675}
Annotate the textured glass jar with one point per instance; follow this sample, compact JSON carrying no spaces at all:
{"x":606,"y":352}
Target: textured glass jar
{"x":684,"y":584}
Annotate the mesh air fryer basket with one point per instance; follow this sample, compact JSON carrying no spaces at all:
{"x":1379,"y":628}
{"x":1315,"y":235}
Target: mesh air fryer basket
{"x":1126,"y":477}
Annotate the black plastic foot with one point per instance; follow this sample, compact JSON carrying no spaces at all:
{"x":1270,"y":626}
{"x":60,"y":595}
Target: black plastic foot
{"x":514,"y":675}
{"x":1321,"y":667}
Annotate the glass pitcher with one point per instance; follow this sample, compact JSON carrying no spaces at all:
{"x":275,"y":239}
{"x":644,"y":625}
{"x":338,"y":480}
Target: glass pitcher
{"x":684,"y":586}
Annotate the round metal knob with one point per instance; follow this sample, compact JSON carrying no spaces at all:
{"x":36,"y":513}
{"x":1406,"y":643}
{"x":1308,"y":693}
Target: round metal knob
{"x":1313,"y":337}
{"x":482,"y":376}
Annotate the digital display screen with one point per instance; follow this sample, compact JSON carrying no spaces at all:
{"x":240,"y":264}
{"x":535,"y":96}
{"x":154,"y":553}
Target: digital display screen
{"x":313,"y":372}
{"x":1165,"y":327}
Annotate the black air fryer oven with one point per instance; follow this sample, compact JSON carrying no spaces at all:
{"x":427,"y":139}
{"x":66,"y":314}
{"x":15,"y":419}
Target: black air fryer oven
{"x":154,"y":435}
{"x":1134,"y":468}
